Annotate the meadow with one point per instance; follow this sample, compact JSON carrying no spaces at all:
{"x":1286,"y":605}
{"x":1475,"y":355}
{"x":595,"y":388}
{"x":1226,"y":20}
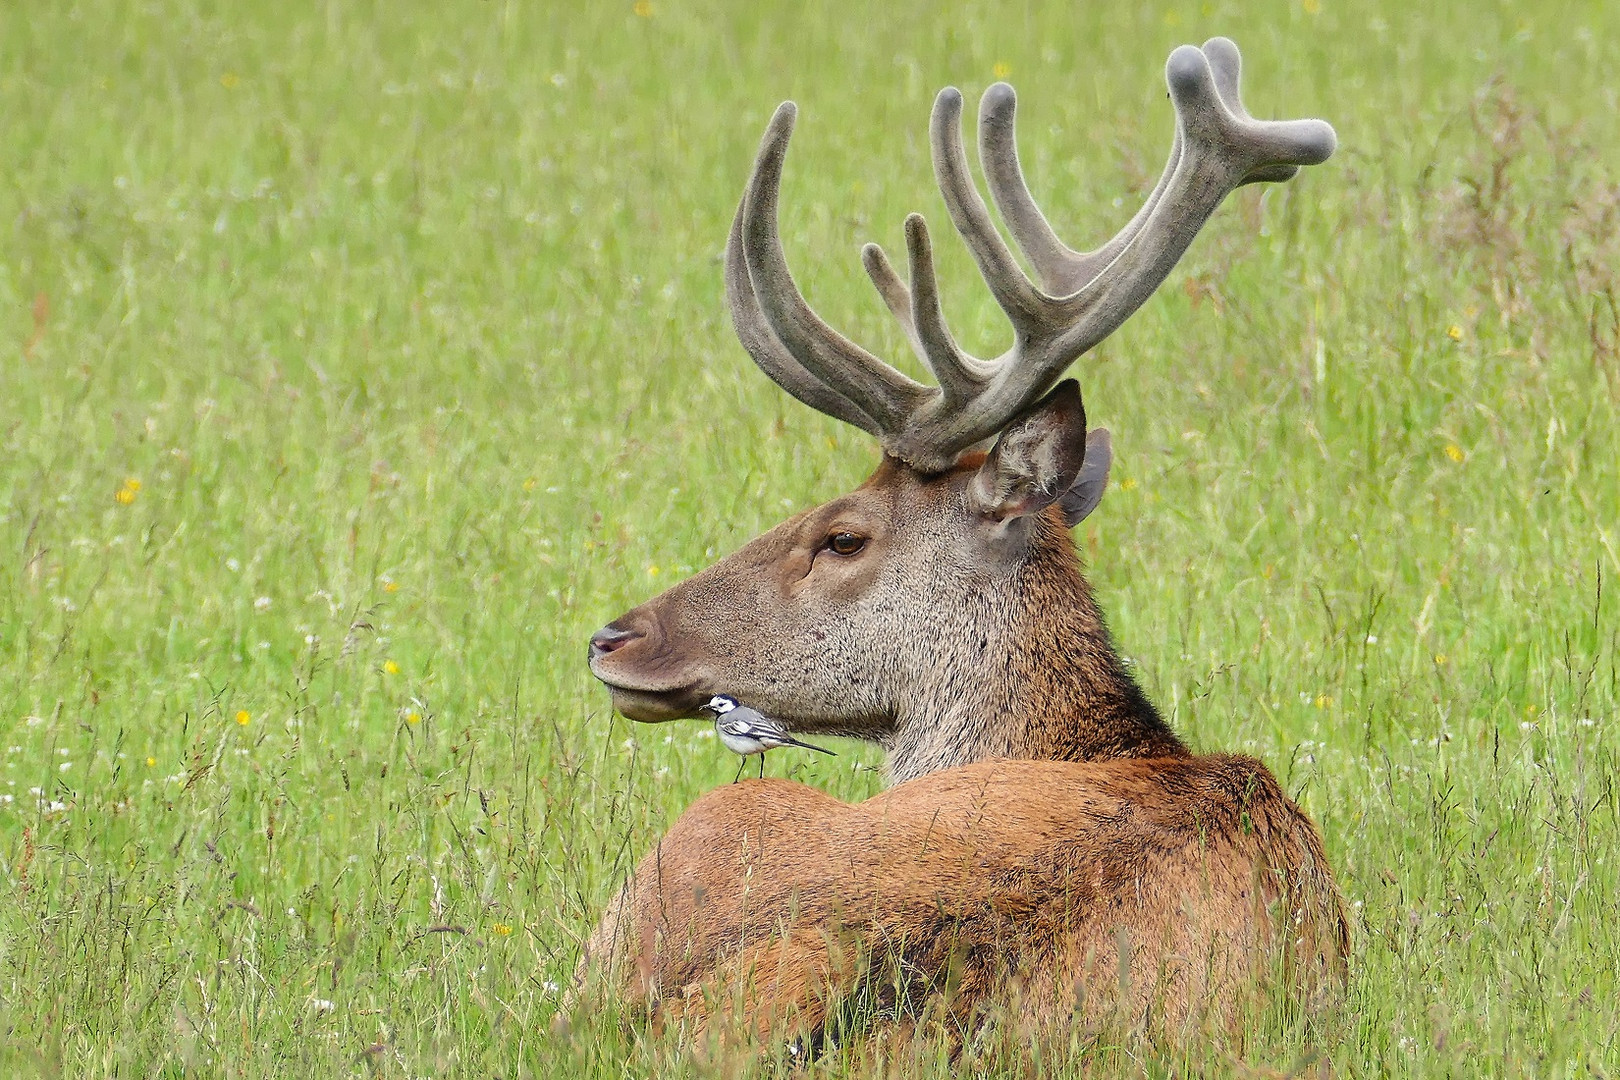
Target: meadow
{"x":357,"y":361}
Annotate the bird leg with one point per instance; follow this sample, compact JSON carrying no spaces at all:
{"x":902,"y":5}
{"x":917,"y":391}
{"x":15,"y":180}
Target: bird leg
{"x":741,"y":765}
{"x":762,"y":766}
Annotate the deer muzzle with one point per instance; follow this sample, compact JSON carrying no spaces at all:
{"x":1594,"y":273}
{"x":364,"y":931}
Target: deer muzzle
{"x":649,"y":683}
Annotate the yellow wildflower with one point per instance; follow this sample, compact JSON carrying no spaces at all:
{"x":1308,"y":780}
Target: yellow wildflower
{"x":1454,"y":452}
{"x":243,"y":716}
{"x":1311,"y":6}
{"x":643,"y":8}
{"x":151,"y":762}
{"x":1002,"y":69}
{"x":390,"y":667}
{"x":413,"y":718}
{"x":229,"y":80}
{"x":501,"y":929}
{"x":124,"y":496}
{"x":1323,"y":701}
{"x":1440,"y":659}
{"x":390,"y":586}
{"x":1127,"y":484}
{"x":1454,"y":332}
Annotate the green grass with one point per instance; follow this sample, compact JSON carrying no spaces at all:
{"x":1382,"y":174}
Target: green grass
{"x":408,"y":324}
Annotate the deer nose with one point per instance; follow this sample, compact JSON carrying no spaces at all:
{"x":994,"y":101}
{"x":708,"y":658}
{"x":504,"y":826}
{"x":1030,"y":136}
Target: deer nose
{"x":611,"y":639}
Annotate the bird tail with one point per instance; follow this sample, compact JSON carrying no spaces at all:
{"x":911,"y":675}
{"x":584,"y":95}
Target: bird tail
{"x":810,"y":746}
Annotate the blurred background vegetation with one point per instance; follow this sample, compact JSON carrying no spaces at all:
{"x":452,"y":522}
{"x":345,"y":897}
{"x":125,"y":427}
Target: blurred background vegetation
{"x":359,"y":360}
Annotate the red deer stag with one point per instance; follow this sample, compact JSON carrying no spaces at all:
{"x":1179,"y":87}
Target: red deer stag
{"x":940,"y":610}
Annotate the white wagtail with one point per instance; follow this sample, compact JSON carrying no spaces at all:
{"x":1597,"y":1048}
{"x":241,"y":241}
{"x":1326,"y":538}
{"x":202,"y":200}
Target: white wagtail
{"x":747,"y":731}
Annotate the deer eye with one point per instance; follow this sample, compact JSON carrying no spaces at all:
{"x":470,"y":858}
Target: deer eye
{"x":845,"y":543}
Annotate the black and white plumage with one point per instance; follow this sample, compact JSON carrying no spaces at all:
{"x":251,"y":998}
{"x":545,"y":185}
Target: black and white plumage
{"x":747,"y":731}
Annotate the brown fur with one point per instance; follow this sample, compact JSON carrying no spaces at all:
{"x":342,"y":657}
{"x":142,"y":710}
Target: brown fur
{"x":1044,"y":812}
{"x":772,"y":903}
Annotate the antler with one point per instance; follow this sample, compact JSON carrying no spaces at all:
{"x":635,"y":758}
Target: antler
{"x":1083,"y":296}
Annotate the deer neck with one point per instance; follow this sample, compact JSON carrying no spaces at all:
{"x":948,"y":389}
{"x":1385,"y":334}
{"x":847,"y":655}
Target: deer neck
{"x":1030,"y":671}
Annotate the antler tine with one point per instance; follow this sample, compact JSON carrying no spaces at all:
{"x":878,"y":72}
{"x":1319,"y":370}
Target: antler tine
{"x":1016,"y":294}
{"x":875,"y":389}
{"x":1062,"y":270}
{"x":1227,"y":65}
{"x":961,"y":377}
{"x":896,"y":297}
{"x":755,"y":333}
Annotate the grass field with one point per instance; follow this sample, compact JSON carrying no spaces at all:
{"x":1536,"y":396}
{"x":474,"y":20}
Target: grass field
{"x":360,"y":360}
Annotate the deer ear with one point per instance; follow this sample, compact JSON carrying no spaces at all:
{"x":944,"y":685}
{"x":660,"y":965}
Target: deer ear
{"x":1037,"y":460}
{"x":1087,"y":490}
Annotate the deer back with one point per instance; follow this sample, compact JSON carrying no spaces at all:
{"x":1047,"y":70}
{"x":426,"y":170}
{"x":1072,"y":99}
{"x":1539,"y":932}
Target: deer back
{"x":1101,"y":890}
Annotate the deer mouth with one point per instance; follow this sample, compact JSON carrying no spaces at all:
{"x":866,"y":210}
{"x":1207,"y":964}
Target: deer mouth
{"x":649,"y":700}
{"x":656,"y":706}
{"x":648,"y":682}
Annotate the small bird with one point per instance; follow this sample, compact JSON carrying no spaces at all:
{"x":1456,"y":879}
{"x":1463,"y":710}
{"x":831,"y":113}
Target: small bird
{"x":746,"y":731}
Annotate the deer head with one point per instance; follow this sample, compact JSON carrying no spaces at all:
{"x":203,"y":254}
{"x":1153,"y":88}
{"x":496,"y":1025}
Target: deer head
{"x":939,"y":608}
